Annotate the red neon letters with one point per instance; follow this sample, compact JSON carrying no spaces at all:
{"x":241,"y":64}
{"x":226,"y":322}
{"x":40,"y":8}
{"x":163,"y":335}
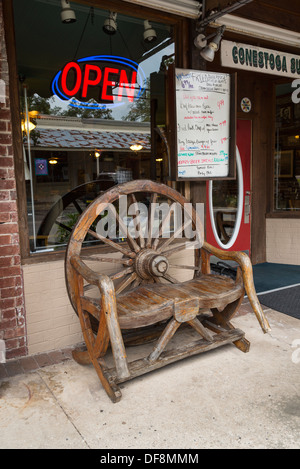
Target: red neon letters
{"x":87,"y":81}
{"x":75,"y":80}
{"x":64,"y":76}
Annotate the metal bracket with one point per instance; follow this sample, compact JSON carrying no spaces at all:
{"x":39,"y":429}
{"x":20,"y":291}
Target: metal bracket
{"x":213,"y":16}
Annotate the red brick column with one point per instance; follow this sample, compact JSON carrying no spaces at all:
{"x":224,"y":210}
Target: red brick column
{"x":12,"y":307}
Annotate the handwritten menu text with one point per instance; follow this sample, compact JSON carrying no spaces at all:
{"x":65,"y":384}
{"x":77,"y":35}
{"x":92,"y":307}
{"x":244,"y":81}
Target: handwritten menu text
{"x":203,"y":118}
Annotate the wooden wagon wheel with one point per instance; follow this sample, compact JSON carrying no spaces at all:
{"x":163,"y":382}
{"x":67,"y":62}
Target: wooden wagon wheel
{"x":145,"y":255}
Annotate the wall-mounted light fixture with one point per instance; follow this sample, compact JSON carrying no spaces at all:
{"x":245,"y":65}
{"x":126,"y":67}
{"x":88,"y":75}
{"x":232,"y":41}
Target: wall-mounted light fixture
{"x":67,"y":14}
{"x":136,"y":147}
{"x":53,"y":162}
{"x":207,"y":51}
{"x":97,"y":154}
{"x":27,"y":126}
{"x":26,"y":123}
{"x":149,"y":33}
{"x":110,"y":24}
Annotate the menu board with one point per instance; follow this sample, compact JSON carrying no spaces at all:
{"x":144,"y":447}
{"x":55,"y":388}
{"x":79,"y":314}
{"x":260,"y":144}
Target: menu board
{"x":203,"y":118}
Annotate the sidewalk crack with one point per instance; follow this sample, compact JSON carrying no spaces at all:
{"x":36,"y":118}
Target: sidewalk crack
{"x":63,"y":410}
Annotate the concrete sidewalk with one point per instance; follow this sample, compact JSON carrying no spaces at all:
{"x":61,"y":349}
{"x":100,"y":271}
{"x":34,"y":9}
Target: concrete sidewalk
{"x":219,"y":399}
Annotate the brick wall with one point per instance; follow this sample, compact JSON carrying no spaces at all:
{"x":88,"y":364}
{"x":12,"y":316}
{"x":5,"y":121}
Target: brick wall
{"x":12,"y":309}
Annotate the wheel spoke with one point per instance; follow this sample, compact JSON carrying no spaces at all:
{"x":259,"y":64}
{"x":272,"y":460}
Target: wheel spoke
{"x":77,"y":206}
{"x":151,"y":215}
{"x":174,"y":235}
{"x":126,"y":282}
{"x":89,"y":287}
{"x":170,"y":278}
{"x":161,"y":229}
{"x":110,"y":260}
{"x":111,"y":243}
{"x":122,"y":273}
{"x":137,"y":221}
{"x":137,"y":282}
{"x":190,"y":267}
{"x":65,"y":227}
{"x":157,"y":280}
{"x":131,"y":242}
{"x":180,"y":247}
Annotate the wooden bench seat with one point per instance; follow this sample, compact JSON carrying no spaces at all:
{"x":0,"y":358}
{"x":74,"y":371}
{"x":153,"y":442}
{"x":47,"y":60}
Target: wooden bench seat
{"x":150,"y":303}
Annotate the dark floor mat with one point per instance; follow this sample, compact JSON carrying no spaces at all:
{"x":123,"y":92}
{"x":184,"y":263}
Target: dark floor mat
{"x":285,"y":301}
{"x":269,"y":276}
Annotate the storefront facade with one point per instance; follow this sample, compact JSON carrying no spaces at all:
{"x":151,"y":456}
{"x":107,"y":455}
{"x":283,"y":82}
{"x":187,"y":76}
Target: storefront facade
{"x":265,"y":58}
{"x":92,"y":94}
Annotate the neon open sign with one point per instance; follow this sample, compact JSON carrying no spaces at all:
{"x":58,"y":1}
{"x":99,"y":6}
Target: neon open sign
{"x":99,"y":82}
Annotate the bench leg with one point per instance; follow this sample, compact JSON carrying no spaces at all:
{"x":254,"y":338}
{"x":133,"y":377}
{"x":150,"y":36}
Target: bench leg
{"x":81,"y":356}
{"x":201,"y":329}
{"x":96,"y":347}
{"x":112,"y":390}
{"x":243,"y":345}
{"x":109,"y":308}
{"x":165,"y":337}
{"x":222,"y":318}
{"x":91,"y":355}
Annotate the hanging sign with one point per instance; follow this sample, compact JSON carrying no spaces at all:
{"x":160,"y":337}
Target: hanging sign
{"x":99,"y":82}
{"x":204,"y":121}
{"x":259,"y":59}
{"x":41,"y":167}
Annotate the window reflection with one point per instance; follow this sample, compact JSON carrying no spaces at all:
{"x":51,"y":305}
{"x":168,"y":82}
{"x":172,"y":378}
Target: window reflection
{"x":225,"y":196}
{"x":77,"y":146}
{"x":287,"y":151}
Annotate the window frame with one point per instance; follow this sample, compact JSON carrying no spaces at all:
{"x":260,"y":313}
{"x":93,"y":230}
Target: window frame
{"x":271,"y":211}
{"x":181,"y":33}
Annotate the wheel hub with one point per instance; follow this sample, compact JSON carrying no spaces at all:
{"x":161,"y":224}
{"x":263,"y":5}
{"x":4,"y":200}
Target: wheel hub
{"x":150,"y":264}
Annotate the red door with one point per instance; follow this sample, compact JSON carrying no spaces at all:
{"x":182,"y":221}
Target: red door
{"x":228,"y":217}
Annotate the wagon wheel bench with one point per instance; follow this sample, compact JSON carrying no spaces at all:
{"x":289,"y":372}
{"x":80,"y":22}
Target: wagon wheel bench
{"x":150,"y":287}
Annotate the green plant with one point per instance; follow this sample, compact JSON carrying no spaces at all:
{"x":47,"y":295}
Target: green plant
{"x":64,"y":233}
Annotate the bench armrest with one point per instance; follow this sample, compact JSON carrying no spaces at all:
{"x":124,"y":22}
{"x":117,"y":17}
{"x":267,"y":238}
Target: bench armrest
{"x":102,"y":281}
{"x":245,"y":264}
{"x":88,"y":274}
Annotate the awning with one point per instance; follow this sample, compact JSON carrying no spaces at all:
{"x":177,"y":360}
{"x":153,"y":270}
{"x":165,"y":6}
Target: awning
{"x":186,"y":8}
{"x":71,"y":139}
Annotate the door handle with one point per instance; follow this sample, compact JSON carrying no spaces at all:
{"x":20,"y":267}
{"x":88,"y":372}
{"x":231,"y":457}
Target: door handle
{"x":247,"y":208}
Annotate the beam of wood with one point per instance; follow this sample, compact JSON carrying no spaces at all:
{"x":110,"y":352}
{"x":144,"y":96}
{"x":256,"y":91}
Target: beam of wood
{"x":111,"y":243}
{"x":151,"y":215}
{"x":139,"y":367}
{"x":137,"y":222}
{"x":126,"y":282}
{"x":110,"y":260}
{"x":162,"y":342}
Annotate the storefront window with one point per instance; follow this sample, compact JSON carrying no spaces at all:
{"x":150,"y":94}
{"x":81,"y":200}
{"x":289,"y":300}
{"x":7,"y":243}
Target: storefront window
{"x":287,"y":151}
{"x":85,"y":91}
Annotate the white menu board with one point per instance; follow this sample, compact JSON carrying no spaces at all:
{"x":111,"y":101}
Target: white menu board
{"x":203,"y":123}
